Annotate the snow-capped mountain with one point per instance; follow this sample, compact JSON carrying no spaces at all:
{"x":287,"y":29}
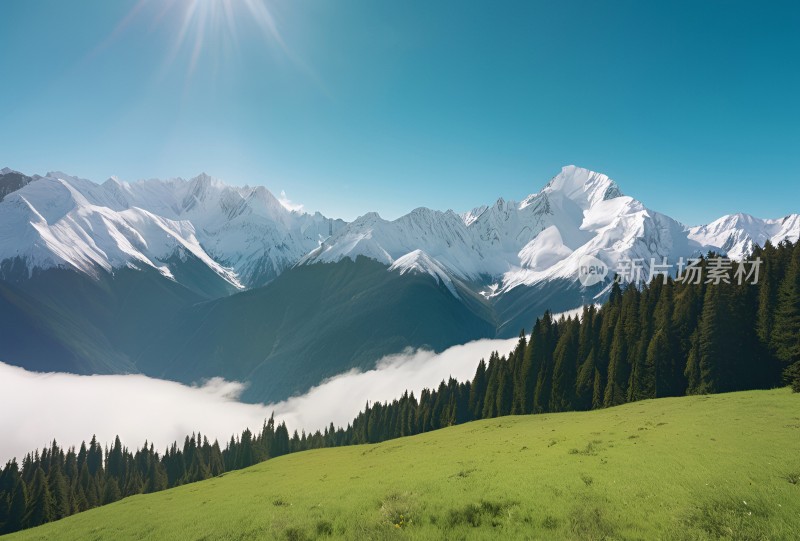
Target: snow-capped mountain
{"x":541,"y":238}
{"x":246,"y":237}
{"x":11,"y":181}
{"x":738,"y":234}
{"x":242,"y":234}
{"x":160,"y":265}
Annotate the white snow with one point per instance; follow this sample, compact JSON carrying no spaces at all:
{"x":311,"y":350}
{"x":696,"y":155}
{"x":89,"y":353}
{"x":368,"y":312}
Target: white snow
{"x":419,"y":261}
{"x":544,"y":237}
{"x":248,"y":236}
{"x":243,"y":234}
{"x":737,"y":234}
{"x":579,"y":212}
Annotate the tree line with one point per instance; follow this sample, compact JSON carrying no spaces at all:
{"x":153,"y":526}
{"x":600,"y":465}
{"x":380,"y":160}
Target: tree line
{"x":665,"y":338}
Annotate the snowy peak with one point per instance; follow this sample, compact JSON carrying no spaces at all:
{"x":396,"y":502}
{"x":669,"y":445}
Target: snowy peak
{"x":418,"y":261}
{"x":52,"y":223}
{"x":470,"y":216}
{"x":11,"y":181}
{"x":247,"y":237}
{"x":579,"y":212}
{"x":242,"y":234}
{"x":586,"y":188}
{"x":737,"y":234}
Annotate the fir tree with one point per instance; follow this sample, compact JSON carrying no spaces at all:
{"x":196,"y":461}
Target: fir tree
{"x":565,"y":369}
{"x":60,"y":492}
{"x":18,"y":508}
{"x":785,"y":335}
{"x":40,"y":507}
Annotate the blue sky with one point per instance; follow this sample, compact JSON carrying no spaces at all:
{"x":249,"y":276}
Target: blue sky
{"x":352,"y":106}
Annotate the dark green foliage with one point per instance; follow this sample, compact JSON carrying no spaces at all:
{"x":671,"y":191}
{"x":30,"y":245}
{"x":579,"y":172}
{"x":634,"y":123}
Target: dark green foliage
{"x":785,"y":336}
{"x":565,"y":369}
{"x":311,"y":323}
{"x":40,"y":506}
{"x":792,"y":376}
{"x":55,"y":483}
{"x":17,"y":509}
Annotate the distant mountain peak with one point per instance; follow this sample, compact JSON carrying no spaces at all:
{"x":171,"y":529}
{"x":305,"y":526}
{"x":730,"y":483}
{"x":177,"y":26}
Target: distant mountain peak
{"x":420,"y":262}
{"x":737,"y":234}
{"x":583,"y":186}
{"x":244,"y":235}
{"x":247,"y":237}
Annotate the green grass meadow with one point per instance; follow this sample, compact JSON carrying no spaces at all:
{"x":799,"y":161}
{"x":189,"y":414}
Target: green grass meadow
{"x":705,"y":467}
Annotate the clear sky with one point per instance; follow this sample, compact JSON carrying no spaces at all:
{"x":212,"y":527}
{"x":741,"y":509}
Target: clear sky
{"x":351,"y":106}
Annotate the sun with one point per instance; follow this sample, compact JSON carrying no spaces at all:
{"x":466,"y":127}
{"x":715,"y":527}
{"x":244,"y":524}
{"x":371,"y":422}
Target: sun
{"x":201,"y":26}
{"x":215,"y":23}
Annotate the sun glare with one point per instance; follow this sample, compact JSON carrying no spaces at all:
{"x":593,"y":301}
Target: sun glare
{"x":202,"y":26}
{"x":210,"y":24}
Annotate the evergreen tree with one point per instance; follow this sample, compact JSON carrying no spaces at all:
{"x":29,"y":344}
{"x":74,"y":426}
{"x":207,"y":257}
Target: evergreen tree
{"x":40,"y":507}
{"x":60,"y":492}
{"x":597,"y":391}
{"x":657,"y":362}
{"x":785,"y":335}
{"x":767,"y":295}
{"x":585,"y":383}
{"x":490,"y":400}
{"x":617,"y":368}
{"x":505,"y":390}
{"x":565,"y":368}
{"x":18,"y":508}
{"x":111,"y":492}
{"x":711,"y":337}
{"x":542,"y":363}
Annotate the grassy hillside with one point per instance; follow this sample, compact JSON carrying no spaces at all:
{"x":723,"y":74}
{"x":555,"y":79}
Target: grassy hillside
{"x":705,"y":467}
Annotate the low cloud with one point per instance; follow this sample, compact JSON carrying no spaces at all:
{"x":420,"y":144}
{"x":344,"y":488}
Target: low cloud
{"x":36,"y":407}
{"x":288,"y":204}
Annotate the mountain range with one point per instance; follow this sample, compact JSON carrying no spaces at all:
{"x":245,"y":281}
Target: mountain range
{"x":191,"y":279}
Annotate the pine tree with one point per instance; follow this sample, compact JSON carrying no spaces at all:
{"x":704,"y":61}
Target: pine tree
{"x":711,"y":346}
{"x":597,"y":391}
{"x":584,"y":386}
{"x":490,"y":399}
{"x":116,"y":461}
{"x":40,"y":507}
{"x":617,"y":368}
{"x":505,"y":390}
{"x":156,"y":477}
{"x":565,"y":369}
{"x":792,"y":376}
{"x":641,"y":384}
{"x":60,"y":492}
{"x":767,"y":295}
{"x":658,"y":361}
{"x":786,"y":330}
{"x":111,"y":492}
{"x":18,"y":508}
{"x":542,"y":361}
{"x":94,"y":457}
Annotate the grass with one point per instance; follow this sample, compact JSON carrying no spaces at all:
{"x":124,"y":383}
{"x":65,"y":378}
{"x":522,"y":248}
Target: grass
{"x":705,"y":467}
